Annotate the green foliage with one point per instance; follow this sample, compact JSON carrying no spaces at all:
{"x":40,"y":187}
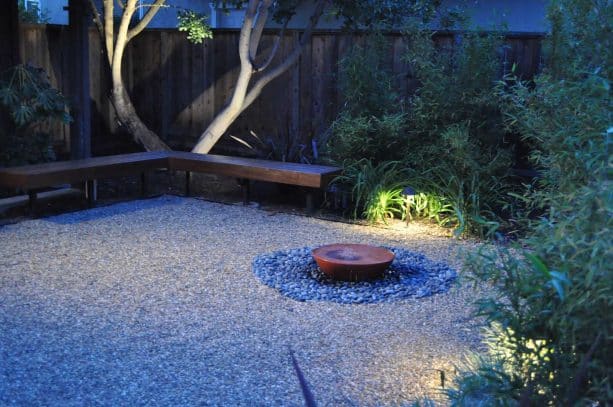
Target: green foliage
{"x":472,"y":179}
{"x":286,"y":149}
{"x":554,"y":299}
{"x":372,"y":123}
{"x":27,"y":102}
{"x":428,"y":205}
{"x":367,"y":137}
{"x":375,"y":189}
{"x":455,"y":129}
{"x":381,"y":14}
{"x":16,"y":150}
{"x":555,"y":304}
{"x":27,"y":95}
{"x":457,"y":85}
{"x":364,"y":82}
{"x":384,"y":204}
{"x":483,"y":382}
{"x":450,"y":135}
{"x":194,"y":24}
{"x":581,"y":38}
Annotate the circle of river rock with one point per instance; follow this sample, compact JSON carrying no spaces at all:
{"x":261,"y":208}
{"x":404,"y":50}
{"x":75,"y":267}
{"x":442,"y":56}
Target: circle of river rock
{"x":295,"y":274}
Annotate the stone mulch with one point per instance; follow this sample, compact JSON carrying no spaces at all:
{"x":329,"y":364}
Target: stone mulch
{"x":155,"y":302}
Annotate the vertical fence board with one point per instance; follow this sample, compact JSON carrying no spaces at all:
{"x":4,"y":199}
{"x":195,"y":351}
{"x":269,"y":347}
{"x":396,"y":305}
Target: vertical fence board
{"x":209,"y":84}
{"x":318,"y":74}
{"x":197,"y":91}
{"x":330,"y":81}
{"x":294,"y":91}
{"x":95,"y":91}
{"x":306,"y":92}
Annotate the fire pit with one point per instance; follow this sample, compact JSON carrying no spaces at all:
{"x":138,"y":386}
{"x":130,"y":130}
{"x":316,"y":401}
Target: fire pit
{"x":295,"y":274}
{"x":352,"y":262}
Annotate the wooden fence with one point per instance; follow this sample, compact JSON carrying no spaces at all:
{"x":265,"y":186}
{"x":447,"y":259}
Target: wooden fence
{"x":177,"y":87}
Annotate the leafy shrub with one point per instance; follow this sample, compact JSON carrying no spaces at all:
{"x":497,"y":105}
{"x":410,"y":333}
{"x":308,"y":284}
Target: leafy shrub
{"x":373,"y":138}
{"x":450,"y":135}
{"x":364,"y":81}
{"x":372,"y":122}
{"x":557,"y":295}
{"x":15,"y":150}
{"x":27,"y":102}
{"x":195,"y":25}
{"x":455,"y":127}
{"x":555,"y":290}
{"x":369,"y":137}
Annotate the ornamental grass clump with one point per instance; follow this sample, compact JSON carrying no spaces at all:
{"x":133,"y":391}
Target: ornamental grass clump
{"x":376,"y":191}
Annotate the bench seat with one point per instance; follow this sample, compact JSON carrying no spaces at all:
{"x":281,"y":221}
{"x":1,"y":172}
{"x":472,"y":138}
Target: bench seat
{"x":60,"y":172}
{"x":305,"y":175}
{"x":37,"y":176}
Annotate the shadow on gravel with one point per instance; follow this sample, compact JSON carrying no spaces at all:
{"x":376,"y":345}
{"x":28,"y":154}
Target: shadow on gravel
{"x":113,"y":210}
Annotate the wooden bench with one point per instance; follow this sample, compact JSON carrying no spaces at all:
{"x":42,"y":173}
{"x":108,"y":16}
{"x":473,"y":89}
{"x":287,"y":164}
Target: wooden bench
{"x":32,"y":178}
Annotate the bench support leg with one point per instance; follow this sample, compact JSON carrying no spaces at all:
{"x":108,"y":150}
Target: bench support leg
{"x":143,"y":184}
{"x":91,"y":192}
{"x":32,"y":202}
{"x":310,"y":205}
{"x":245,"y":188}
{"x":188,"y":177}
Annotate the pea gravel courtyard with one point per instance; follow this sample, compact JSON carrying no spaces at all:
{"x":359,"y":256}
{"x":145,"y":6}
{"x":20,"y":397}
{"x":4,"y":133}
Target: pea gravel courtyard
{"x":155,"y":302}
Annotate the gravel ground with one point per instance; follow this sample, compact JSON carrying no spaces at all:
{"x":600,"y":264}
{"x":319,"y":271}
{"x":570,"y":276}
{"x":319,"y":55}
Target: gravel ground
{"x":155,"y":302}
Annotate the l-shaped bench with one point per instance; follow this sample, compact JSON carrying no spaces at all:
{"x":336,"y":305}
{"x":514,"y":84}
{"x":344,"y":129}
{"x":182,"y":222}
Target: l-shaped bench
{"x":31,"y":178}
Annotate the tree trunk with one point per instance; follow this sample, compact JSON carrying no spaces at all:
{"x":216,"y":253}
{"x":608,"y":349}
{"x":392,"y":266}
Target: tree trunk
{"x":216,"y":129}
{"x":244,"y":95}
{"x":226,"y":117}
{"x":123,"y":104}
{"x":128,"y":117}
{"x":115,"y":42}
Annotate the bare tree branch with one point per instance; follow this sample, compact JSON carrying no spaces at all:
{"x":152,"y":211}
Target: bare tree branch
{"x":243,"y":96}
{"x":96,"y":15}
{"x":154,"y":8}
{"x":108,"y":29}
{"x":256,"y":89}
{"x":121,"y":38}
{"x":256,"y":32}
{"x":582,"y":373}
{"x":273,"y":52}
{"x":153,"y":5}
{"x":244,"y":40}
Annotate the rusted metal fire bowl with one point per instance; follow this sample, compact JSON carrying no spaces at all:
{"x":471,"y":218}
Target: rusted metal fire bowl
{"x":352,"y":262}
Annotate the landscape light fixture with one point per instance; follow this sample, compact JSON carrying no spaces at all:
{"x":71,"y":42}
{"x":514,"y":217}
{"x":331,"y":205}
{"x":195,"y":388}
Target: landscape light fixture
{"x":408,"y":194}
